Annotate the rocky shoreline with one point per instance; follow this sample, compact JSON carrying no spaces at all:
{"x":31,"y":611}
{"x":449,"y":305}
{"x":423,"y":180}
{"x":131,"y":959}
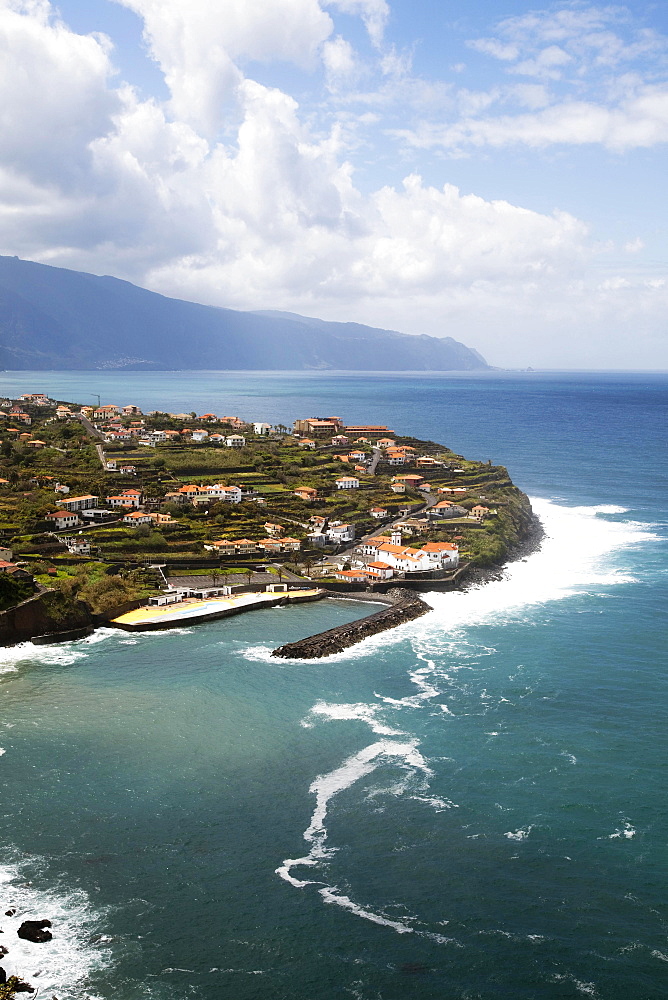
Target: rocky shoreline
{"x":530,"y":543}
{"x":405,"y":606}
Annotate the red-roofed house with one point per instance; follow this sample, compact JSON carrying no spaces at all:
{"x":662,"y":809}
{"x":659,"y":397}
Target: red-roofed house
{"x":63,"y":519}
{"x":137,"y":517}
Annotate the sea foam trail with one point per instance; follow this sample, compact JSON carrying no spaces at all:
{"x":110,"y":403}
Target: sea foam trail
{"x":547,"y":575}
{"x":326,"y":786}
{"x":62,"y":966}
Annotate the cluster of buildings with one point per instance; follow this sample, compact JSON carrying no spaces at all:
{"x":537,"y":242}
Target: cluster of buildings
{"x":384,"y":556}
{"x":10,"y":568}
{"x":86,"y":508}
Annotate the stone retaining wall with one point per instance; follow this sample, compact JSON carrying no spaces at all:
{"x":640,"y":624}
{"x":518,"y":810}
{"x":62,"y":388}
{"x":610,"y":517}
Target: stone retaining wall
{"x":404,"y":608}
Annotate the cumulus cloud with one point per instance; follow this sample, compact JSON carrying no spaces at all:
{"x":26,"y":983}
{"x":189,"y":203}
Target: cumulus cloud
{"x":198,"y":45}
{"x":228,"y":193}
{"x":56,"y":96}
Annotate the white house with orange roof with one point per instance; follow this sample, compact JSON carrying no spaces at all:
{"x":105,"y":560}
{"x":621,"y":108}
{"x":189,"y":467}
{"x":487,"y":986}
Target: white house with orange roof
{"x":235,"y":441}
{"x":351,"y":575}
{"x":447,"y":509}
{"x":80,"y":502}
{"x":339,"y":534}
{"x":347,"y":483}
{"x":121,"y":500}
{"x":137,"y":517}
{"x":444,"y":555}
{"x":379,"y":570}
{"x":63,"y":519}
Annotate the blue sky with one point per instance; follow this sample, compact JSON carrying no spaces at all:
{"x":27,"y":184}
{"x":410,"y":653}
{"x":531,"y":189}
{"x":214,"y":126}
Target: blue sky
{"x":493,"y":172}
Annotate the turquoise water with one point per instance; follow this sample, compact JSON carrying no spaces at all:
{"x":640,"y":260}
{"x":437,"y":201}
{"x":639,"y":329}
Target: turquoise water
{"x":471,"y":806}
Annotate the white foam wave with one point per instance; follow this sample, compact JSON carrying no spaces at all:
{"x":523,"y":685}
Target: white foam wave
{"x":332,"y":896}
{"x":426,"y":690}
{"x":99,"y":635}
{"x":326,"y":786}
{"x":588,"y":989}
{"x":29,"y":652}
{"x":435,"y":802}
{"x":578,"y":553}
{"x":625,"y":832}
{"x":64,"y":964}
{"x":518,"y":834}
{"x":361,"y":712}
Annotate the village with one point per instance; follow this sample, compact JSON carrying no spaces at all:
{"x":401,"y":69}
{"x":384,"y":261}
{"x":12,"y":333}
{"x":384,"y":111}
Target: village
{"x":111,"y":504}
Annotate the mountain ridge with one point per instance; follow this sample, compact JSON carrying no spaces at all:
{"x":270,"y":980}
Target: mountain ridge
{"x":53,"y":318}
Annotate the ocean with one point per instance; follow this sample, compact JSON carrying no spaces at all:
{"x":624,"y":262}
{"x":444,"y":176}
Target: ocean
{"x":469,"y":807}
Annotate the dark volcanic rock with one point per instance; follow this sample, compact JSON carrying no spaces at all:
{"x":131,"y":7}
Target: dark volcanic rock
{"x":10,"y":913}
{"x":405,"y":607}
{"x":35,"y":931}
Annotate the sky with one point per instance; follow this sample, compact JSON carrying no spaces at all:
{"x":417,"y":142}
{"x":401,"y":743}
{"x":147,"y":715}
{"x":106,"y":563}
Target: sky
{"x":492,"y":170}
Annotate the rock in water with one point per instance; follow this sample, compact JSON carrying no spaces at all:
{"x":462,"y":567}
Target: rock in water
{"x":34,"y":930}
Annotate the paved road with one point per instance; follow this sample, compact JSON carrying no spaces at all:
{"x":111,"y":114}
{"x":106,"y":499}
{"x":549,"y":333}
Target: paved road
{"x":93,"y":431}
{"x":377,"y":452}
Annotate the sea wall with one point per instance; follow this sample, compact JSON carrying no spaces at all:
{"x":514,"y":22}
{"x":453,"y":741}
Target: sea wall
{"x":405,"y":607}
{"x":47,"y":614}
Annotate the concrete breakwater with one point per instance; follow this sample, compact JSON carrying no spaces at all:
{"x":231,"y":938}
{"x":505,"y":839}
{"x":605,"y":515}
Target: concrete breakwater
{"x":405,"y":606}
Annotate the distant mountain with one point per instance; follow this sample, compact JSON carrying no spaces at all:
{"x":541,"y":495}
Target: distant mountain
{"x":52,"y":318}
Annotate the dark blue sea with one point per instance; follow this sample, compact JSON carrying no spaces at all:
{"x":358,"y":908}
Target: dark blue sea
{"x":470,"y":807}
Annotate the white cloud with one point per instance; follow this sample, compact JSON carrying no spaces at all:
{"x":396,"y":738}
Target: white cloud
{"x":198,"y":47}
{"x":55,"y":94}
{"x":374,"y":13}
{"x":271,"y":217}
{"x":640,"y":121}
{"x":602,"y":81}
{"x":340,"y":63}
